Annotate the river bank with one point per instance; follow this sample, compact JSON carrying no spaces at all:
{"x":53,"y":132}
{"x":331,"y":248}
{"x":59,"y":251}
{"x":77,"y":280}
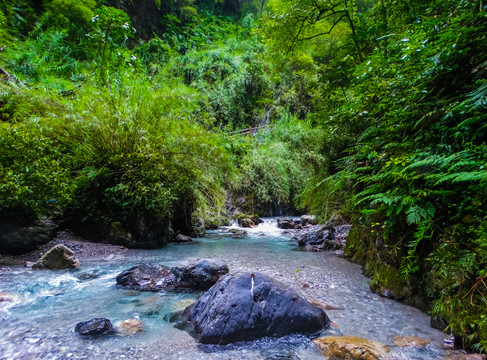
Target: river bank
{"x":41,"y":323}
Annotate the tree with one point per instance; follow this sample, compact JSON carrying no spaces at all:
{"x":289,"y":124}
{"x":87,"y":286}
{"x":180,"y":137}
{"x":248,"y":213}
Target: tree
{"x":296,"y":22}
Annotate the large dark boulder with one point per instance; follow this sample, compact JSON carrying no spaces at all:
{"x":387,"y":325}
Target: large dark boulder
{"x":147,"y":277}
{"x":199,"y":274}
{"x":95,"y":327}
{"x":248,"y":306}
{"x":58,"y":257}
{"x":285,"y":223}
{"x":18,"y":238}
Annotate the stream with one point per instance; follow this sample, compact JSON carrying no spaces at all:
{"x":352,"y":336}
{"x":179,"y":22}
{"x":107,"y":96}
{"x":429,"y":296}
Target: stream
{"x":40,"y":323}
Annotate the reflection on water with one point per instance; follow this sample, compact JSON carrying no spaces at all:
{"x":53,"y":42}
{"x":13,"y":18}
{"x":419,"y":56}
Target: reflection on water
{"x":38,"y":322}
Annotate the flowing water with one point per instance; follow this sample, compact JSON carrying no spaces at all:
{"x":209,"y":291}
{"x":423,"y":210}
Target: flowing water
{"x":39,"y":323}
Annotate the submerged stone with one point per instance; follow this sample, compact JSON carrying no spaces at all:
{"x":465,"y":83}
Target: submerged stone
{"x":131,"y":327}
{"x":351,"y":348}
{"x":324,"y":306}
{"x":409,"y":340}
{"x":7,"y":297}
{"x":249,"y":306}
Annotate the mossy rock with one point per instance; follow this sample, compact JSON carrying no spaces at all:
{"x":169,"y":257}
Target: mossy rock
{"x":351,"y":348}
{"x":387,"y":281}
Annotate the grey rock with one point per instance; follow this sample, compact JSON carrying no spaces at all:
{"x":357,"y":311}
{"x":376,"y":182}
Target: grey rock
{"x":246,"y":223}
{"x":285,"y":223}
{"x":199,"y":274}
{"x":248,"y":306}
{"x":95,"y":327}
{"x":180,"y":238}
{"x":16,"y":239}
{"x":58,"y":257}
{"x":147,"y":277}
{"x":308,"y":219}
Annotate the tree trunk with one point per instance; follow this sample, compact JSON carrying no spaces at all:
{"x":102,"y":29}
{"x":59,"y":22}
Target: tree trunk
{"x":354,"y":37}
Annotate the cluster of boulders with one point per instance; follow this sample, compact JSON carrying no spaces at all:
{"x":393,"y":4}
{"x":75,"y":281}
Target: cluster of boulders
{"x":190,"y":273}
{"x":323,"y":238}
{"x":303,"y":222}
{"x":236,"y":307}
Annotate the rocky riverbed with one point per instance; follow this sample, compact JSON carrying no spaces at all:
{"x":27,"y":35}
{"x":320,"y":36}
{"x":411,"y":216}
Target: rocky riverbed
{"x":84,"y":250}
{"x":46,"y":305}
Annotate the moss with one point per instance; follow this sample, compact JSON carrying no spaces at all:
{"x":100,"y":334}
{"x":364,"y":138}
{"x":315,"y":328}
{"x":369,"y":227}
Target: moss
{"x":365,"y":246}
{"x":387,"y":281}
{"x":356,"y":246}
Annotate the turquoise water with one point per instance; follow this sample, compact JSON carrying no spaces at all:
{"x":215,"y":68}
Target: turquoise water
{"x":39,"y":324}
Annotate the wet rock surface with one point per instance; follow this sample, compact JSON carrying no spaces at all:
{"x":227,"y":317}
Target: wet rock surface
{"x":308,"y":219}
{"x":286,"y":223}
{"x":191,"y":273}
{"x":130,"y":327}
{"x":247,"y":306}
{"x":18,"y":239}
{"x":95,"y":327}
{"x":246,"y":223}
{"x":351,"y":348}
{"x":199,"y":274}
{"x":147,"y":277}
{"x":180,"y":238}
{"x":59,"y":257}
{"x":238,"y":234}
{"x":322,"y":238}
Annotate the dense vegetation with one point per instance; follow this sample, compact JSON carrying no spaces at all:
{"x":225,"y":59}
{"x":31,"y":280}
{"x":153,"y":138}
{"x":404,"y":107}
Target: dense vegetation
{"x":122,"y":115}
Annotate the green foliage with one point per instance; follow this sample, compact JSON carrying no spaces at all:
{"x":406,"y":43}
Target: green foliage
{"x":110,"y":34}
{"x":281,"y":162}
{"x":414,"y":112}
{"x":3,"y":27}
{"x":143,"y":154}
{"x":234,"y":79}
{"x":378,"y":114}
{"x":49,"y":59}
{"x":67,"y":13}
{"x":34,"y":176}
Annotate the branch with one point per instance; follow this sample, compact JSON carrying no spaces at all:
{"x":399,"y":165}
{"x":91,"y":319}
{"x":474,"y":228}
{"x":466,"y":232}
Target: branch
{"x":323,"y":33}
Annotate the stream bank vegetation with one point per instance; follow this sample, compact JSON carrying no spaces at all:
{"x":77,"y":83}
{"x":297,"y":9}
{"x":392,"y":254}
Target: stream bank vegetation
{"x":123,"y":116}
